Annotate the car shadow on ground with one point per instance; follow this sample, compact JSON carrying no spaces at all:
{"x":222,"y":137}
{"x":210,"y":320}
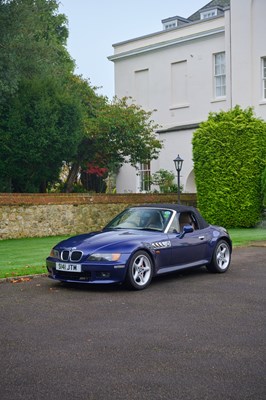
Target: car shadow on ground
{"x":156,"y":281}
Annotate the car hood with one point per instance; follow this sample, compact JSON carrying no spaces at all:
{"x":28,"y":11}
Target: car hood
{"x":107,"y":240}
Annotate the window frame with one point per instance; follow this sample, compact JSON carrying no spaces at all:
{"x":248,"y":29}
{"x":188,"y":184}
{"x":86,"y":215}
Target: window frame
{"x":144,"y":177}
{"x":209,"y":14}
{"x":170,"y":25}
{"x":219,"y":77}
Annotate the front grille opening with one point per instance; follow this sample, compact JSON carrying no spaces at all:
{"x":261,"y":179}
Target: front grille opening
{"x":75,"y":255}
{"x":65,"y":255}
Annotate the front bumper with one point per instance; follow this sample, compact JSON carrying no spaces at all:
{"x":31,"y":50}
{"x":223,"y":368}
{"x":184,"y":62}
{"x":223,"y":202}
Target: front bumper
{"x":100,"y":273}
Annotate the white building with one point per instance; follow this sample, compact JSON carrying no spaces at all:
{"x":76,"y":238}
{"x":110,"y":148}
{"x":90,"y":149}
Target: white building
{"x":211,"y":61}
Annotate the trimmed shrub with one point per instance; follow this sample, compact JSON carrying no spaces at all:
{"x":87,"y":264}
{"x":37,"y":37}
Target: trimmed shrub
{"x":165,"y":180}
{"x":229,"y":153}
{"x":263,"y":184}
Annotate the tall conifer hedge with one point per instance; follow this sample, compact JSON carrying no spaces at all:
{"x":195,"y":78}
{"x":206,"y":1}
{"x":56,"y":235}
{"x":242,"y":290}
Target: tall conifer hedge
{"x":229,"y":153}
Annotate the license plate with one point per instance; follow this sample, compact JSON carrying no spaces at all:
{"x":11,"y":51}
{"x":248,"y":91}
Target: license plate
{"x":68,"y":267}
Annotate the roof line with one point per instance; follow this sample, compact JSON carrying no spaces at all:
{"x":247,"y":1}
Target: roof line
{"x":167,"y":43}
{"x":165,"y":31}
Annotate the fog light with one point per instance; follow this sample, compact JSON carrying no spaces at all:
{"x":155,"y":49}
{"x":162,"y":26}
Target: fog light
{"x":103,"y":275}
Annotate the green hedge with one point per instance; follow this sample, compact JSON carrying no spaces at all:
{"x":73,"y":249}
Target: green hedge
{"x":229,"y":153}
{"x":263,"y":183}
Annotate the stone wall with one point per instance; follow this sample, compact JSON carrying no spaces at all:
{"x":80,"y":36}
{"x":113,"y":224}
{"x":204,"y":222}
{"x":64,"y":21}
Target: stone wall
{"x":26,"y":215}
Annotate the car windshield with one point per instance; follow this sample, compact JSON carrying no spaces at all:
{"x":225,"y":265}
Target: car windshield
{"x":141,"y":218}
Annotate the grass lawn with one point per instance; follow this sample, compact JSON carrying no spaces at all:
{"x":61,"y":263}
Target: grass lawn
{"x":242,"y":237}
{"x":20,"y":257}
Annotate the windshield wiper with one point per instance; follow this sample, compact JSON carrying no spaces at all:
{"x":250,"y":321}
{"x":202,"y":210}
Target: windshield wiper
{"x":150,"y":229}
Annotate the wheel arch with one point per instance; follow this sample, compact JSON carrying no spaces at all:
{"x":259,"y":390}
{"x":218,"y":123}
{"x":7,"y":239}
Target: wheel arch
{"x":149,"y":252}
{"x":226,"y":239}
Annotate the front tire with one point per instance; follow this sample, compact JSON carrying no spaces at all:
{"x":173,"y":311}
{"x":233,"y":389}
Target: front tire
{"x":221,"y":258}
{"x":140,"y":270}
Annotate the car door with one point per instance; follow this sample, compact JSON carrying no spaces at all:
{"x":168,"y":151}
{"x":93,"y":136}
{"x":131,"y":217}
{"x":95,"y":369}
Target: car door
{"x":191,"y":248}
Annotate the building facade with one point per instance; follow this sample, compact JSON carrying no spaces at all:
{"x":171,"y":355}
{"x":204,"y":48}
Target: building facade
{"x":211,"y":61}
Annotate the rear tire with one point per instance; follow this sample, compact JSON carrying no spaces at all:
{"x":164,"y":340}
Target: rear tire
{"x":140,"y":270}
{"x":221,"y":258}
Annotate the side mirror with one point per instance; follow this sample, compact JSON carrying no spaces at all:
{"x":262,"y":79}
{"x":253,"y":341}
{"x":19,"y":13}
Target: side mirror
{"x":186,"y":229}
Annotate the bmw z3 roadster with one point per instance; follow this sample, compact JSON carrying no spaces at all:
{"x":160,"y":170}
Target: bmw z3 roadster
{"x":140,"y":243}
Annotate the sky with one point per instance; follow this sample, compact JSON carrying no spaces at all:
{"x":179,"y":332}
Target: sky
{"x":95,"y":25}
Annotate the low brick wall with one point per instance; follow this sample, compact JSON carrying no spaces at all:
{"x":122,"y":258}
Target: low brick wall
{"x":32,"y":215}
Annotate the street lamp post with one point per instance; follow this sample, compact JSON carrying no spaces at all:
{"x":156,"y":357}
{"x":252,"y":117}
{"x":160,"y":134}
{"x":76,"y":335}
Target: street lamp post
{"x":178,"y":166}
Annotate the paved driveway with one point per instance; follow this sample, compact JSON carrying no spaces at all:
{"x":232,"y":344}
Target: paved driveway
{"x":188,"y":336}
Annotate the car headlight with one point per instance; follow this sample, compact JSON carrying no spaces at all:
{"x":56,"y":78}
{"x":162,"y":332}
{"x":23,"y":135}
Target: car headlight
{"x":104,"y":257}
{"x":54,"y":253}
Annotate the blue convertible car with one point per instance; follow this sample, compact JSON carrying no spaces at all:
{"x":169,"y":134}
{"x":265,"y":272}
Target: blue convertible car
{"x":139,"y":243}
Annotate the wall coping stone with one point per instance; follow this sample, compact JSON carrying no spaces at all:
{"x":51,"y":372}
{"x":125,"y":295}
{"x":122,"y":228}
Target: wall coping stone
{"x":86,"y":198}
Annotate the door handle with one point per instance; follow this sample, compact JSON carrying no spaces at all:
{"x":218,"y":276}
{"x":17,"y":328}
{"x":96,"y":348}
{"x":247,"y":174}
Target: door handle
{"x":201,"y":237}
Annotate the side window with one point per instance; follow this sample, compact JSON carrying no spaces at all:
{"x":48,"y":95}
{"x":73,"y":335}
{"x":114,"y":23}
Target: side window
{"x":187,"y":218}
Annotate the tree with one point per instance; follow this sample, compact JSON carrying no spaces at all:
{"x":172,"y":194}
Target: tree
{"x":117,"y":133}
{"x":229,"y":152}
{"x":48,"y":115}
{"x":90,"y":104}
{"x":42,"y":127}
{"x":40,"y":120}
{"x":32,"y":43}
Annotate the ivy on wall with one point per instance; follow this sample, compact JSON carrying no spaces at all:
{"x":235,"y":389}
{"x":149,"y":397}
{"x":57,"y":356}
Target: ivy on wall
{"x":229,"y":153}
